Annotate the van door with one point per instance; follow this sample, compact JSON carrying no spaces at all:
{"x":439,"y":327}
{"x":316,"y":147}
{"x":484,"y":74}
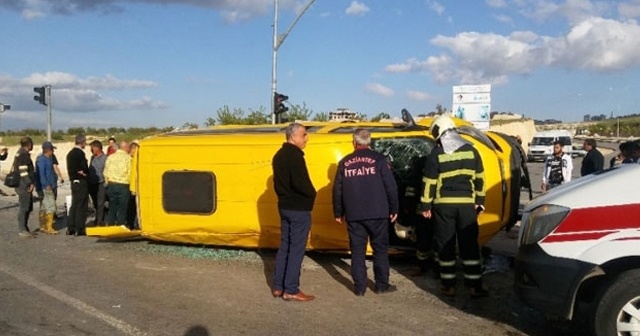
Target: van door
{"x":406,"y":155}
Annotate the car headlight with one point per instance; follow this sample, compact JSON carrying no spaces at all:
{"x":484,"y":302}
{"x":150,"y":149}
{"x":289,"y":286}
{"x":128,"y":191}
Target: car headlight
{"x":538,"y":223}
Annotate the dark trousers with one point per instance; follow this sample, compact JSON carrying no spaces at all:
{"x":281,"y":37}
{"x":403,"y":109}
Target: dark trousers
{"x":132,"y":212}
{"x":376,"y":231}
{"x":118,"y":194}
{"x":424,"y":243}
{"x":77,"y":219}
{"x":294,"y":226}
{"x":25,"y":202}
{"x":458,"y":223}
{"x":98,"y":196}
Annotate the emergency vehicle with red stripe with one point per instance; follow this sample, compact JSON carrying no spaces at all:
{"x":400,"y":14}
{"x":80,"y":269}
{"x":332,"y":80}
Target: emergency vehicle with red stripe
{"x":579,"y":247}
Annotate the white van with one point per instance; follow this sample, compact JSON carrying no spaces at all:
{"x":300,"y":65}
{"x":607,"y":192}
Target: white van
{"x":541,"y":146}
{"x":579,"y":246}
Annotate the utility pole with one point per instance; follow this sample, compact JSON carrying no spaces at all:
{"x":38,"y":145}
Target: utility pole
{"x":277,"y":42}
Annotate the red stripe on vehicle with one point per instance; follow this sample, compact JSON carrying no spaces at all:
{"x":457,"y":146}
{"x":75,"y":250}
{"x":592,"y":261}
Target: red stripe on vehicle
{"x":554,"y":238}
{"x":616,"y":217}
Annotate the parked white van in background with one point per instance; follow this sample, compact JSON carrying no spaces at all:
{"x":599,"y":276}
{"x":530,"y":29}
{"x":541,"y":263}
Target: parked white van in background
{"x":541,"y":146}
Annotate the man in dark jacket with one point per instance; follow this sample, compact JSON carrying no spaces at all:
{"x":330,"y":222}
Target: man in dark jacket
{"x":78,"y":171}
{"x":365,"y":194}
{"x":24,"y":165}
{"x":296,"y":195}
{"x":593,"y":161}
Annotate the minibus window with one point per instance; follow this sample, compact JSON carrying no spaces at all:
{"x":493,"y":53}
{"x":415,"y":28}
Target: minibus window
{"x":403,"y":153}
{"x":190,"y":192}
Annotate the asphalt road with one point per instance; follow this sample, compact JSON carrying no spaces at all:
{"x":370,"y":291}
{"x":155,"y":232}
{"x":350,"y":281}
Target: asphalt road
{"x":60,"y":285}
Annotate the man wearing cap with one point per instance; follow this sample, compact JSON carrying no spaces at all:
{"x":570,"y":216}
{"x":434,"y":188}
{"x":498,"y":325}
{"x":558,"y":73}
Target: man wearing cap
{"x":47,"y":183}
{"x":78,"y":171}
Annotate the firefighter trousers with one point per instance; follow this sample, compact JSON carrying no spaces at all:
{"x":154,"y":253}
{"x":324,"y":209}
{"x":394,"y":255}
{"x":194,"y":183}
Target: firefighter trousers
{"x":457,"y":223}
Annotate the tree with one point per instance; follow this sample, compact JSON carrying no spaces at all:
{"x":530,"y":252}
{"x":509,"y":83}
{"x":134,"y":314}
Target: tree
{"x":209,"y":122}
{"x":297,"y":112}
{"x":75,"y":130}
{"x":189,"y":125}
{"x":440,"y":109}
{"x":380,"y":116}
{"x":322,"y":116}
{"x":257,"y":117}
{"x":228,"y":117}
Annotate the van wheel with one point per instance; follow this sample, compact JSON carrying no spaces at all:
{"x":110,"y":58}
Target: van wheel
{"x":618,"y":311}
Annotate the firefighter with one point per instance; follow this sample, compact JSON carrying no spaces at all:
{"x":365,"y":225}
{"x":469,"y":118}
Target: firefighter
{"x":454,"y":196}
{"x":365,"y":194}
{"x":412,"y":225}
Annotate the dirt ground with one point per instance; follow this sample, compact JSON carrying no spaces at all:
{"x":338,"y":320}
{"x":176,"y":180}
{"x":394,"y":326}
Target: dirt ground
{"x":60,"y":285}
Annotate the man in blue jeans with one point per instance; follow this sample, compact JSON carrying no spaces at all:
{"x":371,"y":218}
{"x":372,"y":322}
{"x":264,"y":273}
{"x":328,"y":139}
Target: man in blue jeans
{"x":296,"y":195}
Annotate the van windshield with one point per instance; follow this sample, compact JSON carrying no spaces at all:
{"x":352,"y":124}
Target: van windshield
{"x":543,"y":141}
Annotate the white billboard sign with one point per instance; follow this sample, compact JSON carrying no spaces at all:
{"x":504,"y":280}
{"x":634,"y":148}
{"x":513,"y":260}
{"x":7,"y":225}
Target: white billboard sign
{"x":472,"y":103}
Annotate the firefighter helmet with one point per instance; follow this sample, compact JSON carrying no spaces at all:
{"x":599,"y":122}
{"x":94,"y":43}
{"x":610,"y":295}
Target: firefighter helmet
{"x":441,"y":124}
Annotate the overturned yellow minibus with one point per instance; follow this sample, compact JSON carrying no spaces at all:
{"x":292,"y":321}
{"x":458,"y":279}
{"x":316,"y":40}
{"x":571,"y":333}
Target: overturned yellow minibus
{"x":214,"y":186}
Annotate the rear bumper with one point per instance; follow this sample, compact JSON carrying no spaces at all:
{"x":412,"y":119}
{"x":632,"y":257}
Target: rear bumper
{"x":546,"y":283}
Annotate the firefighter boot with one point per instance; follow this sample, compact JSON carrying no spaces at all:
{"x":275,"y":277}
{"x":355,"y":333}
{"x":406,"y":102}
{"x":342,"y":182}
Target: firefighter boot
{"x":49,"y":224}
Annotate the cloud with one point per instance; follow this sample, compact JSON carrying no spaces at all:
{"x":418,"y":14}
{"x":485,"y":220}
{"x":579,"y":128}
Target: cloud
{"x":504,"y":19}
{"x":418,"y":95}
{"x":379,"y":89}
{"x":71,"y":93}
{"x":595,"y":44}
{"x":436,"y":7}
{"x":574,"y":10}
{"x":496,"y":3}
{"x":629,"y":10}
{"x":231,"y":11}
{"x":357,"y":8}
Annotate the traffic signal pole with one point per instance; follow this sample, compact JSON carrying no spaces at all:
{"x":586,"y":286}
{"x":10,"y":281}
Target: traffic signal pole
{"x":48,"y":99}
{"x":277,"y":42}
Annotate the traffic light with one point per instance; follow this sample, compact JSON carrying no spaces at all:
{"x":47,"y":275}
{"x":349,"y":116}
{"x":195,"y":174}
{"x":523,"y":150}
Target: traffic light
{"x":278,"y":105}
{"x":41,"y":96}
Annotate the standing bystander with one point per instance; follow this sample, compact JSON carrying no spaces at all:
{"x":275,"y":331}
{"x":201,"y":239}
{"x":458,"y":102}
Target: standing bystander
{"x":365,"y":194}
{"x":78,"y":171}
{"x":593,"y":161}
{"x":96,"y":180}
{"x":116,"y":175}
{"x":132,"y":208}
{"x":23,"y":164}
{"x":47,"y":183}
{"x":557,"y":168}
{"x":296,"y":195}
{"x":113,"y":147}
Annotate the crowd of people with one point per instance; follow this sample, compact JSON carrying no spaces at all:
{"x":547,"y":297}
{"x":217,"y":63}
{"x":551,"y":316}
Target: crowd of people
{"x":105,"y":179}
{"x":558,"y":167}
{"x":366,"y":200}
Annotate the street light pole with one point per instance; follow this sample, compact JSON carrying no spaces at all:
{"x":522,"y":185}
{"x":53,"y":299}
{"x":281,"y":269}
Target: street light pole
{"x":274,"y":61}
{"x":277,"y":42}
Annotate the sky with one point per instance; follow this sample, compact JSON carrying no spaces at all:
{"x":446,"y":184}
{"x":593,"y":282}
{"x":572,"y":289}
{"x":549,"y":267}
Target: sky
{"x":141,"y":63}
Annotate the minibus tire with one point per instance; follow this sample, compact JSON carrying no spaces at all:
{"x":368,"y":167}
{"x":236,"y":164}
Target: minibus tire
{"x":623,"y":290}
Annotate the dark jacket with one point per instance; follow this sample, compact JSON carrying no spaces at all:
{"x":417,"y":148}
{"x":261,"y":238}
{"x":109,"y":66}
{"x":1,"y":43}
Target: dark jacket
{"x":77,"y":161}
{"x":455,"y":178}
{"x":291,"y":179}
{"x":24,"y":165}
{"x":364,"y":187}
{"x":592,"y":162}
